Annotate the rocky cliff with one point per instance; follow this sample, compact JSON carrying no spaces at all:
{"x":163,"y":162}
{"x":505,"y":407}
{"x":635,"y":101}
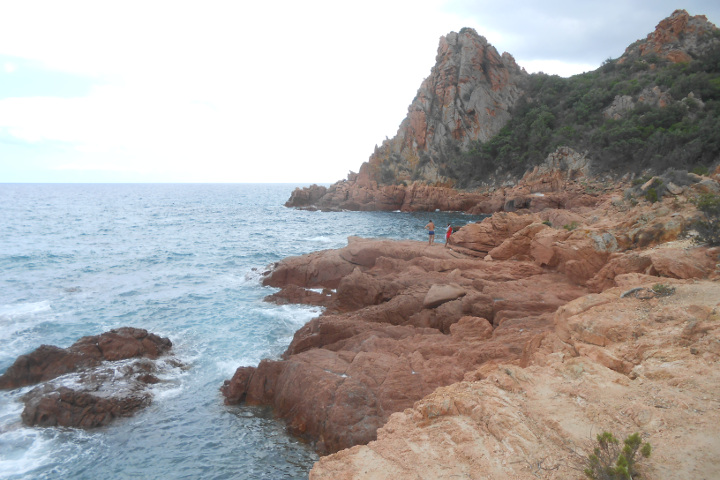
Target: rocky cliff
{"x":678,"y":38}
{"x":450,"y":135}
{"x":403,"y":319}
{"x":468,"y":96}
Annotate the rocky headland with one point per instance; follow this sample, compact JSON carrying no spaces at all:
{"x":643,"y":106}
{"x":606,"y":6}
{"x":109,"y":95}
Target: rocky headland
{"x":584,"y":303}
{"x":473,"y":93}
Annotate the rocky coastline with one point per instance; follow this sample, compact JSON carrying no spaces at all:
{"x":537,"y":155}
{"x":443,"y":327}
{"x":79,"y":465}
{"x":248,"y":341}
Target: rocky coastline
{"x":579,"y":305}
{"x":421,"y":344}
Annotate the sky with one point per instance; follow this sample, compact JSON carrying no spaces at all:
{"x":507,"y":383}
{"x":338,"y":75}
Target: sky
{"x":282,"y":91}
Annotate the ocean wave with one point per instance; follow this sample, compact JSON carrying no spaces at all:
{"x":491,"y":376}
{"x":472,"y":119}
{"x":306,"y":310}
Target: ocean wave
{"x":254,"y":276}
{"x":18,"y":310}
{"x":24,"y":450}
{"x":296,"y":315}
{"x":226,"y":367}
{"x":320,"y":239}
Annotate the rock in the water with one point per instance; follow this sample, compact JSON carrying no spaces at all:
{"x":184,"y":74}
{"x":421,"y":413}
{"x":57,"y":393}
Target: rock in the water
{"x":66,"y":407}
{"x":103,"y":377}
{"x":48,"y":362}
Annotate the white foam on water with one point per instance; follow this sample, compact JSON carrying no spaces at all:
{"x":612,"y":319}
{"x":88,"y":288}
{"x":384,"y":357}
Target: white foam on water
{"x":227,"y":366}
{"x":320,"y":239}
{"x":252,"y":276}
{"x":23,"y":450}
{"x":171,"y":385}
{"x":17,"y":322}
{"x":297,"y":315}
{"x":16,"y":318}
{"x":18,"y":310}
{"x":316,"y":290}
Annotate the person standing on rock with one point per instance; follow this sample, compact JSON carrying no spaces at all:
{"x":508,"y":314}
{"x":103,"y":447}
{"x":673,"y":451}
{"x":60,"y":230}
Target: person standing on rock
{"x":447,"y":235}
{"x":430,"y":227}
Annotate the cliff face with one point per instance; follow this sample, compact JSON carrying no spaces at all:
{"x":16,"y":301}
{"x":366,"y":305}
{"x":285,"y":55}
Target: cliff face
{"x":576,"y":309}
{"x":467,"y":96}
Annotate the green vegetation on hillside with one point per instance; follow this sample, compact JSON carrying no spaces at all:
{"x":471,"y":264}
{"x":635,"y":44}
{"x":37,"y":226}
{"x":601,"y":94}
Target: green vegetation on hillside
{"x":556,"y":111}
{"x":708,"y":227}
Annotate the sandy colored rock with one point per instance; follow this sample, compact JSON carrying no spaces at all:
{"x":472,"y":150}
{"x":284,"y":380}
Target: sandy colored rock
{"x":439,"y":294}
{"x":539,"y":421}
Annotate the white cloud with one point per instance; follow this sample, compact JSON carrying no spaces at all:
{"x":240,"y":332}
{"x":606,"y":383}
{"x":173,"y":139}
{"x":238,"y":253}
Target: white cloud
{"x":240,"y":91}
{"x":288,"y":91}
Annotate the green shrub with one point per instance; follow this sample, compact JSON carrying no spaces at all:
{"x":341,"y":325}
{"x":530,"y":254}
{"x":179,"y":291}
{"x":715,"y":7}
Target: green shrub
{"x":700,"y":170}
{"x":571,"y":226}
{"x":662,"y":290}
{"x":708,"y":228}
{"x":609,"y":462}
{"x":651,"y":195}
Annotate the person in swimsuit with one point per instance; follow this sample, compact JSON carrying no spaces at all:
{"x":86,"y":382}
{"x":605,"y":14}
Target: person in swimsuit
{"x":447,"y":235}
{"x":430,"y":227}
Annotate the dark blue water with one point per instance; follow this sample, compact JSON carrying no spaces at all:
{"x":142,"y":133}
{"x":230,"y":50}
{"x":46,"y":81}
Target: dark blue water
{"x":180,"y":261}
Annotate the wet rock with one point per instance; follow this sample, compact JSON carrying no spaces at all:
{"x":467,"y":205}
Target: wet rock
{"x":48,"y":362}
{"x":65,"y":407}
{"x":96,"y":380}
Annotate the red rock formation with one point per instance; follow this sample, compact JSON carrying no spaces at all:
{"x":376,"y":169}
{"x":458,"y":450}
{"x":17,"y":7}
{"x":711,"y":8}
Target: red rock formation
{"x":100,"y":393}
{"x":467,"y":97}
{"x":676,"y":38}
{"x":416,"y":317}
{"x":48,"y":362}
{"x":491,"y":232}
{"x":504,"y":421}
{"x":406,"y":318}
{"x":66,"y":407}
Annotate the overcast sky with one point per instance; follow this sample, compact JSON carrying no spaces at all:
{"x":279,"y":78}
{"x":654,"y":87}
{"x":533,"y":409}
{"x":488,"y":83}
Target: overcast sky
{"x":273,"y":91}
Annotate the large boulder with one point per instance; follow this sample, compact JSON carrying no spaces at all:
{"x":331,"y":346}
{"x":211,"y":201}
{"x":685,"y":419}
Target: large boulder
{"x":96,"y":380}
{"x":491,"y":232}
{"x":48,"y":362}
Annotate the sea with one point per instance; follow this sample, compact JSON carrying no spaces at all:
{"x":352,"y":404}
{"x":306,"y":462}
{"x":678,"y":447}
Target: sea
{"x":183,"y":261}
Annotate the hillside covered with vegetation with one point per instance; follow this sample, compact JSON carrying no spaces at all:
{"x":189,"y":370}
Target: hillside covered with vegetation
{"x":629,"y":115}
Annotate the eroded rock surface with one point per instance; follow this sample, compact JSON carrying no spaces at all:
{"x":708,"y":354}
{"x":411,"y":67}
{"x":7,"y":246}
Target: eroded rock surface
{"x":623,"y":364}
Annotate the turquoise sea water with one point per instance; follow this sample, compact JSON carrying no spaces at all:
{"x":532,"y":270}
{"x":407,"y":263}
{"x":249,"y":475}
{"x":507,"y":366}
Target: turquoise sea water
{"x":181,"y":261}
